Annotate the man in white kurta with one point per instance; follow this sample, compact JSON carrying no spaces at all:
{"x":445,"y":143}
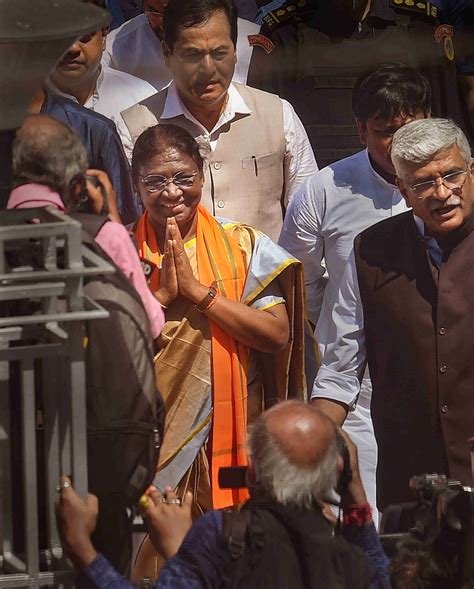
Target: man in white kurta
{"x":328,"y":212}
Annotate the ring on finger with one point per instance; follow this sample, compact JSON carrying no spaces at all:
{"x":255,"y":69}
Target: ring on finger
{"x":174,"y":501}
{"x":62,"y":486}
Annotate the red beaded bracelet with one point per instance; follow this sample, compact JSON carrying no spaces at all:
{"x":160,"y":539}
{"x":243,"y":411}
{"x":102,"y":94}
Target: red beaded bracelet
{"x":357,"y":515}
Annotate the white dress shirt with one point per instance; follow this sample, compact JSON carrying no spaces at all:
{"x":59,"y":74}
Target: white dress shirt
{"x":321,"y":223}
{"x":134,"y":48}
{"x":114,"y":92}
{"x":299,"y":163}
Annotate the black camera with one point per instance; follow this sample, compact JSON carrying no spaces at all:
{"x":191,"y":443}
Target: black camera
{"x":83,"y":205}
{"x":433,"y":533}
{"x":232,"y":477}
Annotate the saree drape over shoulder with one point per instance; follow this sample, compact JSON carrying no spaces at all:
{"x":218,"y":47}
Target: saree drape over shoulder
{"x":211,"y":385}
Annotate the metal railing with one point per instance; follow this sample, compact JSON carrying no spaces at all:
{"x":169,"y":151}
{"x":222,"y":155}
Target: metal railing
{"x":43,"y":264}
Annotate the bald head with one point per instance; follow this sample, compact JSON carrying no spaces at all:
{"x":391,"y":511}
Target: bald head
{"x":40,"y":132}
{"x":302,"y":432}
{"x":294,"y":453}
{"x":46,"y":151}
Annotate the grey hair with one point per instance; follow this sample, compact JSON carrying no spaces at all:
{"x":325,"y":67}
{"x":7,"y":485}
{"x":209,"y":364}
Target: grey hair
{"x":419,"y":141}
{"x":285,"y":482}
{"x":48,"y":154}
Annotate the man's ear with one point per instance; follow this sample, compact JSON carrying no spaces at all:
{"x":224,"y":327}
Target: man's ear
{"x":104,"y":32}
{"x":166,"y":53}
{"x":403,"y":190}
{"x":362,"y":129}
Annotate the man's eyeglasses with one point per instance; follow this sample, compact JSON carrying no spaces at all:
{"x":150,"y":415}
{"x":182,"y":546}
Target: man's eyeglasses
{"x":157,"y":182}
{"x":452,"y":181}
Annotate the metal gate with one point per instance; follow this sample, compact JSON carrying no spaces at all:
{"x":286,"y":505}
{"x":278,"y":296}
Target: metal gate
{"x":42,"y":335}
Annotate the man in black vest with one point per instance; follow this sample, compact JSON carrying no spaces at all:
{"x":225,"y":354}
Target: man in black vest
{"x":405,"y":305}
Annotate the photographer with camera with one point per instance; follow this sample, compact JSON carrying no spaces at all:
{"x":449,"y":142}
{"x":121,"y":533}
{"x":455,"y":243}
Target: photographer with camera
{"x":280,"y":538}
{"x":50,"y":168}
{"x":125,"y":412}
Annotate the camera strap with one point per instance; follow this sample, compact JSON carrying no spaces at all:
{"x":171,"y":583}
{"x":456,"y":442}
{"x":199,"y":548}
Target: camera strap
{"x":234,"y":530}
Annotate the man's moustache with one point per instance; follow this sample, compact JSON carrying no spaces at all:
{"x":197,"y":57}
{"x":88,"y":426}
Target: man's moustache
{"x":453,"y":201}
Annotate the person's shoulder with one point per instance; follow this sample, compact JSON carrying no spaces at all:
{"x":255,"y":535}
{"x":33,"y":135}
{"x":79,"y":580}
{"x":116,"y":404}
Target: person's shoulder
{"x":247,"y":27}
{"x":127,"y":29}
{"x":352,"y":162}
{"x":123,"y":81}
{"x":256,"y":94}
{"x":322,"y":182}
{"x":79,"y":112}
{"x":144,"y":113}
{"x":116,"y":232}
{"x":346,"y":172}
{"x":386,"y":233}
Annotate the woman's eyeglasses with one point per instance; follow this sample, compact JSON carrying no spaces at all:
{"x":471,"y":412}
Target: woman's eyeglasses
{"x":157,"y":182}
{"x":452,"y":181}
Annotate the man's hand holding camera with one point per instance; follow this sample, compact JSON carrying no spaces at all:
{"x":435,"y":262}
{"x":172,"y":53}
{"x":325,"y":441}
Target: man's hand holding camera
{"x":102,"y":195}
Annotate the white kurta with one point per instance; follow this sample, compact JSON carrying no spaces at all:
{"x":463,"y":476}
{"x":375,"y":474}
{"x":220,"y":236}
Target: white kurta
{"x":321,"y":223}
{"x":134,"y":48}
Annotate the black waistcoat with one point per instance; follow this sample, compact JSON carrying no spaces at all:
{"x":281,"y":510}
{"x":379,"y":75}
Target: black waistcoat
{"x":419,"y":327}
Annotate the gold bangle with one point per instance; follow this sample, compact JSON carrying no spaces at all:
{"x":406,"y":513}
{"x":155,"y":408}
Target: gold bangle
{"x":209,"y":299}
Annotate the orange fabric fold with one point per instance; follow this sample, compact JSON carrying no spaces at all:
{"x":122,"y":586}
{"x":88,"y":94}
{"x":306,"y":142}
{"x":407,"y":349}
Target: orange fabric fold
{"x":219,"y":258}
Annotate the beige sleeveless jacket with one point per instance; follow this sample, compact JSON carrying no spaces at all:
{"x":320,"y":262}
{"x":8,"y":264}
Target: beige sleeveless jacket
{"x":244,"y":179}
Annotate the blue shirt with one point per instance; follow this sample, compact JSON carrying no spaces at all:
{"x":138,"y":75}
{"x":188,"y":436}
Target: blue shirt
{"x":103,"y":145}
{"x":199,"y":561}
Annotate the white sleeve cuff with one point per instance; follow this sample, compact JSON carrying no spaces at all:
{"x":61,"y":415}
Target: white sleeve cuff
{"x":337,"y":386}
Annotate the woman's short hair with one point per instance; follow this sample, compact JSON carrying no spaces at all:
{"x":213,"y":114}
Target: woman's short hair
{"x":157,"y":139}
{"x":419,"y":141}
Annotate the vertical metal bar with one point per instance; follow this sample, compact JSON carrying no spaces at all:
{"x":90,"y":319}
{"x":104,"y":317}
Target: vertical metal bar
{"x":10,"y":562}
{"x":29,"y":469}
{"x":6,"y":528}
{"x":2,"y":257}
{"x":49,"y":252}
{"x":78,"y":408}
{"x":51,"y":378}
